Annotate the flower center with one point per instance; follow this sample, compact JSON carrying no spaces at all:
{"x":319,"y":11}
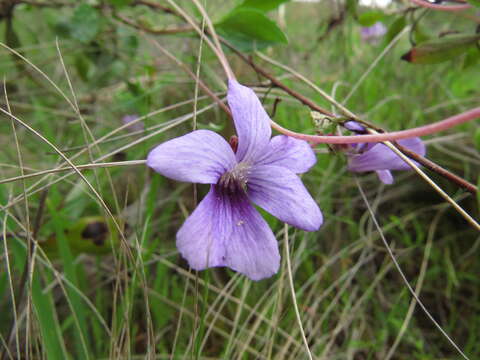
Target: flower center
{"x":235,"y":180}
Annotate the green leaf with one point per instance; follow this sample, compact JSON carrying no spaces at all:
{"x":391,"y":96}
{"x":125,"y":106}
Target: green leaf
{"x":351,"y":6}
{"x":419,"y":35}
{"x":44,"y":307}
{"x":82,"y":65}
{"x":262,"y":5}
{"x":474,"y":2}
{"x":120,"y":3}
{"x":394,"y":29}
{"x":476,"y":139}
{"x":439,"y":50}
{"x":63,"y":29}
{"x":369,"y":18}
{"x":251,"y":28}
{"x":472,"y":58}
{"x":85,"y":23}
{"x":92,"y":235}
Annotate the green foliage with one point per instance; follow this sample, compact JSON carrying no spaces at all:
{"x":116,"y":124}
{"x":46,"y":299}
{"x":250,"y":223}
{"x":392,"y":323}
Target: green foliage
{"x":120,"y":3}
{"x":472,"y":57}
{"x":92,"y":235}
{"x":262,"y":5}
{"x":441,"y":50}
{"x":85,"y":23}
{"x":351,"y":7}
{"x":369,"y":18}
{"x":476,"y":138}
{"x":251,"y":28}
{"x":44,"y":306}
{"x":419,"y":34}
{"x":474,"y":2}
{"x":394,"y":29}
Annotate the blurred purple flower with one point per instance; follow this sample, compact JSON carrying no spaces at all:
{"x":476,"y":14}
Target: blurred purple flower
{"x":378,"y":157}
{"x":374,"y":32}
{"x":225,"y":229}
{"x":355,"y":126}
{"x":137,"y":126}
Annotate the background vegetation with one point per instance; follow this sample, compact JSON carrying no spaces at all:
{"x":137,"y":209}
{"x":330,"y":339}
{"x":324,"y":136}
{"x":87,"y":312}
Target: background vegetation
{"x":73,"y":287}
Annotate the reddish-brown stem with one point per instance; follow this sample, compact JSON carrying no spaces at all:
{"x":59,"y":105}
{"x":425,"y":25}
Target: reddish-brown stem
{"x":389,"y":136}
{"x":429,"y":5}
{"x":165,"y":31}
{"x":439,"y":170}
{"x":303,"y":99}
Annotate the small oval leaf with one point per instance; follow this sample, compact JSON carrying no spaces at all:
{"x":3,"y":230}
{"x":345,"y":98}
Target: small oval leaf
{"x":394,"y":29}
{"x":85,"y":23}
{"x":439,"y":50}
{"x":253,"y":25}
{"x":262,"y":5}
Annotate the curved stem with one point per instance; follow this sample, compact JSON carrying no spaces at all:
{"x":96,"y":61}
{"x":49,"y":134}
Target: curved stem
{"x":217,"y":50}
{"x":429,"y":5}
{"x":221,"y":55}
{"x":389,"y":136}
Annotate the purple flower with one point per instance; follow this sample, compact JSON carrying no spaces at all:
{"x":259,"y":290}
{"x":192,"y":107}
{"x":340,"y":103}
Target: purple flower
{"x":379,"y":158}
{"x":354,"y":126}
{"x":374,"y":32}
{"x":136,"y":126}
{"x":226,"y":229}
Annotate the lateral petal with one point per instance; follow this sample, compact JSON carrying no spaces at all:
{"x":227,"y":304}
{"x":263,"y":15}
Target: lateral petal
{"x":293,"y":154}
{"x":251,"y":121}
{"x":201,"y":156}
{"x":280,"y":192}
{"x":385,"y":176}
{"x":380,"y":157}
{"x":227,"y":231}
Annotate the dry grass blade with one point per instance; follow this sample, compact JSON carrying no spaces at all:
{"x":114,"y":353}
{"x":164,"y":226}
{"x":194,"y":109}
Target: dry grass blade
{"x":402,"y":275}
{"x":292,"y":289}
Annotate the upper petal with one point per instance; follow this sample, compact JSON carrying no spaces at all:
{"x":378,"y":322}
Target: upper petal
{"x":380,"y":157}
{"x":201,"y":156}
{"x":251,"y":121}
{"x":228,"y":231}
{"x":280,"y":192}
{"x":296,"y":155}
{"x":354,"y":126}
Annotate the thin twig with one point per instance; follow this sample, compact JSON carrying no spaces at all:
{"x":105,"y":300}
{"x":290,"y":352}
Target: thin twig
{"x":457,"y":180}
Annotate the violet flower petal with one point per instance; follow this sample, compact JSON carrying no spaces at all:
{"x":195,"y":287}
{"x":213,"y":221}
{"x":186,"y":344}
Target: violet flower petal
{"x":354,"y":126}
{"x":380,"y":157}
{"x":373,"y":32}
{"x":136,"y":126}
{"x":385,"y":176}
{"x":251,"y":121}
{"x":296,"y":155}
{"x":201,"y":156}
{"x":228,"y":231}
{"x":280,"y":192}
